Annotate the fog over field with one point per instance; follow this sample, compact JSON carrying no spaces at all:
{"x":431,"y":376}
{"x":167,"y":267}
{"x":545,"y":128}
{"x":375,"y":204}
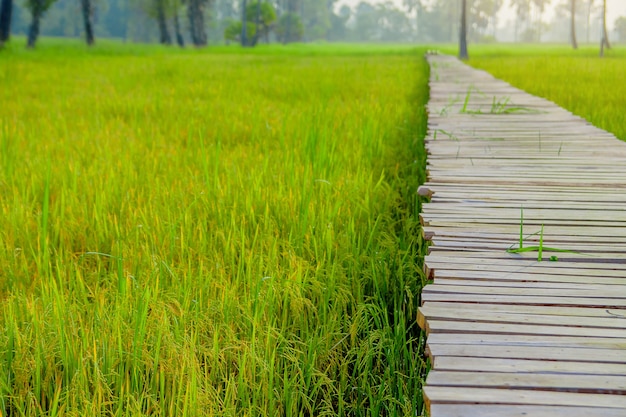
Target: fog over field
{"x":212,"y":22}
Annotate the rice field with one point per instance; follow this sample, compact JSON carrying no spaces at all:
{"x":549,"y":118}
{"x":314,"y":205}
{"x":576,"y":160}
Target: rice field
{"x":580,"y":81}
{"x":227,"y":233}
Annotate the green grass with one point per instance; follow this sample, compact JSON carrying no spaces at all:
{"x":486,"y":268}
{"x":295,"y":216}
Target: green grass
{"x":195,"y":233}
{"x":579,"y":81}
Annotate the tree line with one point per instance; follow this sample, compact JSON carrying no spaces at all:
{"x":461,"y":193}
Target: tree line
{"x":249,"y":22}
{"x":523,"y":11}
{"x":199,"y":22}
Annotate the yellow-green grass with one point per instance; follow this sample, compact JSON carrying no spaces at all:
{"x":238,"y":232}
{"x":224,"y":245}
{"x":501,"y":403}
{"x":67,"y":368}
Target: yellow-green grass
{"x":580,"y":81}
{"x":187,"y":233}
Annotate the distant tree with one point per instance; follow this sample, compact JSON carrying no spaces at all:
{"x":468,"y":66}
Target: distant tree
{"x":365,"y":22}
{"x":118,"y":17}
{"x":522,"y":12}
{"x":260,"y":19}
{"x":338,"y":29}
{"x":195,"y":12}
{"x":6,"y":9}
{"x":573,"y":24}
{"x":590,"y":4}
{"x":180,"y":41}
{"x":604,"y":42}
{"x":233,"y":30}
{"x":164,"y":34}
{"x":463,"y":32}
{"x":87,"y":10}
{"x":620,"y":28}
{"x":263,"y":15}
{"x":480,"y":16}
{"x":497,"y":5}
{"x":315,"y":16}
{"x":37,"y":9}
{"x":540,"y":6}
{"x":418,"y":7}
{"x":393,"y":24}
{"x":289,"y":28}
{"x":439,"y":21}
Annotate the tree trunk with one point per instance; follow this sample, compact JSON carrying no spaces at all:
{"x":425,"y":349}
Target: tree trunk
{"x":573,"y":24}
{"x":196,"y":23}
{"x":192,"y":27}
{"x":258,"y":22}
{"x":33,"y":31}
{"x":463,"y":32}
{"x":179,"y":36}
{"x":164,"y":33}
{"x":244,"y":26}
{"x":6,"y":8}
{"x":87,"y":10}
{"x":605,"y":35}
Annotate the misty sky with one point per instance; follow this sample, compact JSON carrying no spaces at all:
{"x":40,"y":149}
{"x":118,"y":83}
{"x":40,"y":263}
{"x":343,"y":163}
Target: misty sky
{"x":615,"y":8}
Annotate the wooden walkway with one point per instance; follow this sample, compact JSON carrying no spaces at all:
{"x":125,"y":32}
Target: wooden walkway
{"x":509,"y":335}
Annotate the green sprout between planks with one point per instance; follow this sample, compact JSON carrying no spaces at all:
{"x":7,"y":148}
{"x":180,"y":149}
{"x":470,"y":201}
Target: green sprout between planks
{"x":538,"y":248}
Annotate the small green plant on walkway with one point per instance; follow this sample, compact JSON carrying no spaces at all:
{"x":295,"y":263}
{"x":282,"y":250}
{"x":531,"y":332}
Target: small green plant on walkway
{"x":537,"y":248}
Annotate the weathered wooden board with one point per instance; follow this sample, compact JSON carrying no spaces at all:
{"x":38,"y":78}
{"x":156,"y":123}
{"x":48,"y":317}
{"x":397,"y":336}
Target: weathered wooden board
{"x":480,"y":410}
{"x":466,"y":395}
{"x":533,"y":366}
{"x":611,"y":384}
{"x":527,"y":340}
{"x":615,"y":323}
{"x":465,"y":327}
{"x":525,"y":309}
{"x":508,"y":335}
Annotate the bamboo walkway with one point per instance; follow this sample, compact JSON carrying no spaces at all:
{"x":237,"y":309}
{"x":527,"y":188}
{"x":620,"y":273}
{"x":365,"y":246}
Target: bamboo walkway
{"x":509,"y":335}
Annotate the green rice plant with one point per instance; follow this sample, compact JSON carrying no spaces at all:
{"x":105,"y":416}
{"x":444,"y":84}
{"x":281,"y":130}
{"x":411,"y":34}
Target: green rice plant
{"x":219,"y":232}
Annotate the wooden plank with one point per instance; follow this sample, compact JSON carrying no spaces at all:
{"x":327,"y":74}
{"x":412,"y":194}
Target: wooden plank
{"x":549,"y":340}
{"x":597,"y":262}
{"x":447,"y":395}
{"x":444,"y":263}
{"x":457,"y":219}
{"x":587,"y":248}
{"x":616,"y":356}
{"x":431,"y":312}
{"x":442,"y":275}
{"x":525,"y":309}
{"x":451,"y":326}
{"x":494,"y":410}
{"x":512,"y":235}
{"x":591,"y":287}
{"x":527,"y":188}
{"x":605,"y":292}
{"x":480,"y":364}
{"x":524,"y":299}
{"x":609,"y":384}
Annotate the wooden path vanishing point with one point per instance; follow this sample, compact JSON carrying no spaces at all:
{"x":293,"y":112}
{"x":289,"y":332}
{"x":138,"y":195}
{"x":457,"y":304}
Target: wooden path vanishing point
{"x":509,"y":336}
